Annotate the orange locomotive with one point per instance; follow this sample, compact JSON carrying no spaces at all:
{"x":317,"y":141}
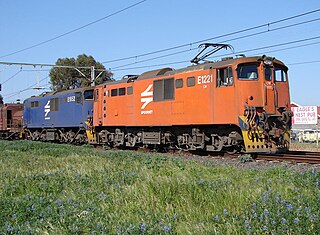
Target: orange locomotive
{"x":234,"y":105}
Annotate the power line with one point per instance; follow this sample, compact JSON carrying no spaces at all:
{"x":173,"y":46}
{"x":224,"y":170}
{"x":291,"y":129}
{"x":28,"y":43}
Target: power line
{"x":212,"y":38}
{"x":28,"y":88}
{"x":238,"y":52}
{"x":233,"y":39}
{"x":74,"y":30}
{"x":305,"y":62}
{"x":11,"y":77}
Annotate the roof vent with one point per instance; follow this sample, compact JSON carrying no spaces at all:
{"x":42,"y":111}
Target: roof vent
{"x":227,"y":58}
{"x":154,"y":73}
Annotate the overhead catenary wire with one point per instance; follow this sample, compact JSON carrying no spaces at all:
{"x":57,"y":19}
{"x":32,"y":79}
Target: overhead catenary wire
{"x":7,"y":96}
{"x":213,"y":38}
{"x":12,"y":77}
{"x":237,"y":52}
{"x":229,"y":40}
{"x":72,"y":31}
{"x":179,"y":62}
{"x":269,"y":30}
{"x":305,"y":62}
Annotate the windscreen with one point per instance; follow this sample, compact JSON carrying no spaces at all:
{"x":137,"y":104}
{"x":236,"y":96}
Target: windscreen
{"x":247,"y":72}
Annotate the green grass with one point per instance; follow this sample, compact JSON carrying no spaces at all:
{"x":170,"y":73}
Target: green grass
{"x":60,"y":189}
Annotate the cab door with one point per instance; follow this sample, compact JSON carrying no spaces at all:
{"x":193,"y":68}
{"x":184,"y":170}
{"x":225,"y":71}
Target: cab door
{"x":224,"y":98}
{"x":282,"y":86}
{"x":97,"y":106}
{"x":269,"y":91}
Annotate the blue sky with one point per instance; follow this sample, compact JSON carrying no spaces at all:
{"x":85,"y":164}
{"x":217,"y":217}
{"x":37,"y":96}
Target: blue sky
{"x":150,"y":26}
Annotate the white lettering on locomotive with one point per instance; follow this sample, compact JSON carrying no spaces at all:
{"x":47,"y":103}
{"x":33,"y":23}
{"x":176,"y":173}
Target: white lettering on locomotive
{"x":47,"y":110}
{"x":204,"y":79}
{"x":71,"y":98}
{"x":146,"y":98}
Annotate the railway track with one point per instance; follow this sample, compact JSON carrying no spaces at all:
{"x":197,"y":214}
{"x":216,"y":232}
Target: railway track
{"x":293,"y":156}
{"x":290,"y":156}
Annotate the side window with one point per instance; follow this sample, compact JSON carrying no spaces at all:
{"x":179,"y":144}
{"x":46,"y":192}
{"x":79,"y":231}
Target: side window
{"x":224,"y":77}
{"x":130,"y":90}
{"x":122,"y":91}
{"x":280,"y":75}
{"x":191,"y":81}
{"x":267,"y":73}
{"x":158,"y":90}
{"x":179,"y":83}
{"x":169,"y":89}
{"x":88,"y":95}
{"x":54,"y":104}
{"x":247,"y":72}
{"x":114,"y":92}
{"x":34,"y":104}
{"x":78,"y":97}
{"x":163,"y":89}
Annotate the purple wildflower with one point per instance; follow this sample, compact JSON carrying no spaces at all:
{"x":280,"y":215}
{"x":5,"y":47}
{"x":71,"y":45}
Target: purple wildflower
{"x":296,"y":220}
{"x":246,"y":223}
{"x":166,"y":229}
{"x":143,"y":228}
{"x":9,"y":228}
{"x":265,"y":197}
{"x":201,"y":181}
{"x":289,"y":206}
{"x":225,"y":211}
{"x":284,"y":220}
{"x":59,"y":202}
{"x":265,"y":228}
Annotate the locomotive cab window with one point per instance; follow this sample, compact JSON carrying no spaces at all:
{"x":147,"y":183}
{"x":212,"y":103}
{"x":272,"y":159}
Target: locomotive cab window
{"x":78,"y":97}
{"x":163,"y":89}
{"x":130,"y":90}
{"x":247,"y":72}
{"x":114,"y":92}
{"x":179,"y":83}
{"x":280,"y":75}
{"x":191,"y":81}
{"x":34,"y":104}
{"x":122,"y":91}
{"x":267,"y":73}
{"x":224,"y":77}
{"x":88,"y":95}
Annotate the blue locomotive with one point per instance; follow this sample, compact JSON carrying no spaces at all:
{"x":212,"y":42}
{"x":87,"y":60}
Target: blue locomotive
{"x":59,"y":116}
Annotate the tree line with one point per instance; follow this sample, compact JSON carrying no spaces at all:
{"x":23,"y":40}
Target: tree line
{"x":72,"y":73}
{"x":64,"y":78}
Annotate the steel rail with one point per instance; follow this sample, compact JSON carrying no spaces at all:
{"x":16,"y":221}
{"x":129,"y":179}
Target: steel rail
{"x":293,"y":156}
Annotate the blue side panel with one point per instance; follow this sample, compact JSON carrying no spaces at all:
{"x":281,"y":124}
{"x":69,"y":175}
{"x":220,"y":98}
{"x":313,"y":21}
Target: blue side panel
{"x":66,"y":112}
